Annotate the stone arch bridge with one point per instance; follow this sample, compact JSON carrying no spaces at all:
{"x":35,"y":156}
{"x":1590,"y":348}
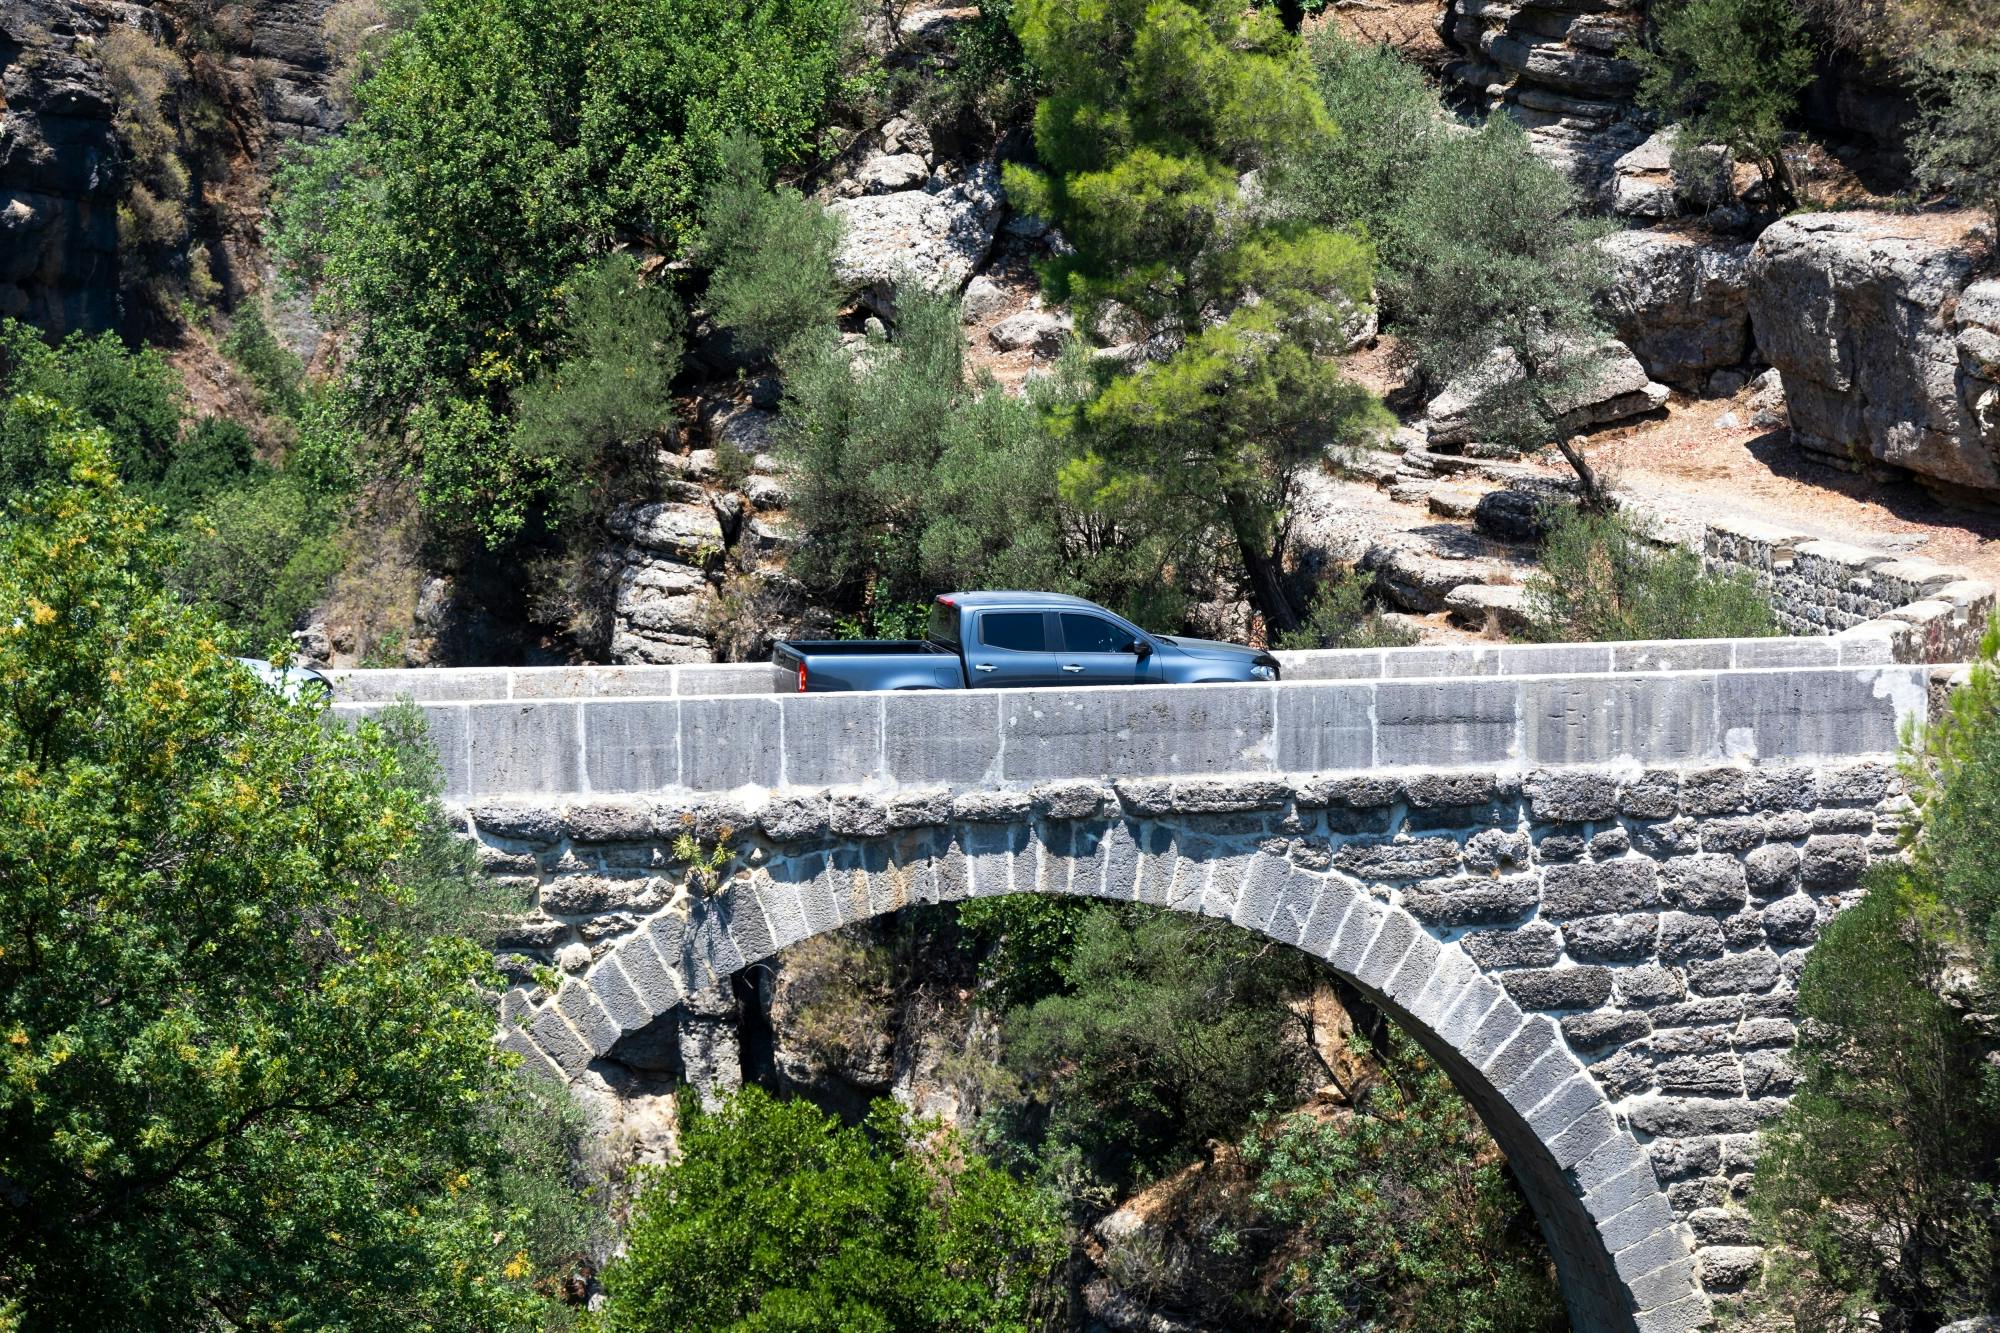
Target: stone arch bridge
{"x":1585,"y":878}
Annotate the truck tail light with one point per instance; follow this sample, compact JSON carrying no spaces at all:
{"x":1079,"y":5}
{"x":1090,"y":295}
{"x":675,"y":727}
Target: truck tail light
{"x":802,"y":675}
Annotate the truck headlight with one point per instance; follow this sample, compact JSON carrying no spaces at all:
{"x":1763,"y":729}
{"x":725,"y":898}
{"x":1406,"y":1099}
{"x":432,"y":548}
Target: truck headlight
{"x":1263,"y":671}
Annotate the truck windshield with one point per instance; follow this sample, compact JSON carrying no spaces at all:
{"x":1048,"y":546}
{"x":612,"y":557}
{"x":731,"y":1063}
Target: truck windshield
{"x":944,"y":624}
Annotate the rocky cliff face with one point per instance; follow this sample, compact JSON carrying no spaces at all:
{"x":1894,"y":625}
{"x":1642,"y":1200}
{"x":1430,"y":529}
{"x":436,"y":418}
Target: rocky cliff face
{"x":64,"y":170}
{"x":1889,"y":350}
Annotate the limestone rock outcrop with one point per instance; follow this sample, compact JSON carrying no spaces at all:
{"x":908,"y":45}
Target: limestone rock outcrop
{"x":1889,"y":352}
{"x":1606,"y":383}
{"x":1680,"y":302}
{"x":934,"y":238}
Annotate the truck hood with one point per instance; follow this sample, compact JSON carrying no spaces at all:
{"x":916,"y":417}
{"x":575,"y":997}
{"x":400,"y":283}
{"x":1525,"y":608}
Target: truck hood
{"x":1214,"y":649}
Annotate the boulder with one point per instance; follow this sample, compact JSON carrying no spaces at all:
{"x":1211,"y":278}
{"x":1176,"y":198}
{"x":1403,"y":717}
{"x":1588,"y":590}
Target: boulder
{"x":1417,"y":575}
{"x":687,"y":531}
{"x":916,"y":236}
{"x":1607,"y":384}
{"x":1489,"y":606}
{"x":887,"y":173}
{"x":1681,"y":304}
{"x":1883,"y":342}
{"x":1039,"y":331}
{"x":983,"y":299}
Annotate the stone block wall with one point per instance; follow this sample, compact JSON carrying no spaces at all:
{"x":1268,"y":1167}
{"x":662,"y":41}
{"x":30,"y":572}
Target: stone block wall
{"x":1654,"y":920}
{"x":1925,"y":612}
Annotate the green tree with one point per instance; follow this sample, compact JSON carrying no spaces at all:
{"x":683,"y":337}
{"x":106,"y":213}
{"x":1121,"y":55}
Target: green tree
{"x":1168,"y":1034}
{"x":1153,"y":113}
{"x":1730,"y":71}
{"x":772,"y":253}
{"x":1957,"y":144}
{"x":1401,"y":1213}
{"x":1602,"y":578}
{"x":499,"y":147}
{"x":134,"y":396}
{"x":776,"y":1217}
{"x":234,"y":1087}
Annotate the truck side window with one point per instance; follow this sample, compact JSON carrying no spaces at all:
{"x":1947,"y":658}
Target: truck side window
{"x":1013,"y":631}
{"x":1093,"y":634}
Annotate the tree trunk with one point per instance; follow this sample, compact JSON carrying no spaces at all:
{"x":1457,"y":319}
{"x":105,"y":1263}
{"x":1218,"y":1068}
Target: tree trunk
{"x":1595,"y":500}
{"x":1267,"y":585}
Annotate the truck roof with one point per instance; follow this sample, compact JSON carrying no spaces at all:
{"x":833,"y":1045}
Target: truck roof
{"x":1002,"y":598}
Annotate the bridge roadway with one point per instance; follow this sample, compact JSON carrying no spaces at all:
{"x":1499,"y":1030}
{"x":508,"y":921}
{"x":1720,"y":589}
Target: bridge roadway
{"x":1584,"y":877}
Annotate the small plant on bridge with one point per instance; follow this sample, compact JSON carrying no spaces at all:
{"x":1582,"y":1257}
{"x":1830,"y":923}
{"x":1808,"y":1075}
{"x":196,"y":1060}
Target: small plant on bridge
{"x":707,"y":862}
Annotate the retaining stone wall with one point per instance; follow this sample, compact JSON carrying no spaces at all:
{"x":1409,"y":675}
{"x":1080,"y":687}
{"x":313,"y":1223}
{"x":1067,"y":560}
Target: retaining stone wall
{"x":1924,"y":611}
{"x":1629,"y":940}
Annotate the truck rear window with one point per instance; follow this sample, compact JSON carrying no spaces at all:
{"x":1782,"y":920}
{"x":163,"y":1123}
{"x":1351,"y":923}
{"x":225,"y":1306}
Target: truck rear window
{"x":944,"y":624}
{"x":1013,"y":631}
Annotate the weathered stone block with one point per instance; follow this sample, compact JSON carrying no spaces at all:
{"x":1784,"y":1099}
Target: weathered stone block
{"x":1533,"y":944}
{"x":1772,"y":871}
{"x":1689,"y":1117}
{"x":1558,"y":987}
{"x":1471,"y":901}
{"x":1729,"y":1267}
{"x":1572,"y":795}
{"x":1413,"y":858}
{"x":1497,"y":849}
{"x":1590,"y":1033}
{"x":1608,"y":939}
{"x":1793,"y":920}
{"x":1649,"y":984}
{"x":1599,"y":888}
{"x":1073,"y":800}
{"x":1704,"y":882}
{"x":1833,"y":860}
{"x":1715,"y":1074}
{"x":1734,"y":974}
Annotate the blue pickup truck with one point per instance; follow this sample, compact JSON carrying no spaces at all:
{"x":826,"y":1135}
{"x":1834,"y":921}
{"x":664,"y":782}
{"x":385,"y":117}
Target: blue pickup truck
{"x":997,"y":639}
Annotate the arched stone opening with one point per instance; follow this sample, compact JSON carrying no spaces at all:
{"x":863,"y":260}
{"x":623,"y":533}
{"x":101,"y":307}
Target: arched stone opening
{"x":1622,"y":1260}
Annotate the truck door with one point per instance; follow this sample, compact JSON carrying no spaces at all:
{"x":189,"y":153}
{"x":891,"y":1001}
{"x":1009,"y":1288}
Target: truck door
{"x":1011,"y":648}
{"x":1096,"y":650}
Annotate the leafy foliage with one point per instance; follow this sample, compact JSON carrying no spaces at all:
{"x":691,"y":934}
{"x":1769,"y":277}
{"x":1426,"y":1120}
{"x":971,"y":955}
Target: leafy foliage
{"x":1339,"y":617}
{"x":1602,"y":578}
{"x":1485,"y":249}
{"x":911,"y":477}
{"x":1957,"y":145}
{"x":772,"y":253}
{"x":582,"y":126}
{"x":775,"y":1217}
{"x":274,"y":368}
{"x":217,"y":1042}
{"x":1169,"y":1032}
{"x":134,"y":396}
{"x":1402,"y":1211}
{"x":1731,"y":72}
{"x":1152,"y":114}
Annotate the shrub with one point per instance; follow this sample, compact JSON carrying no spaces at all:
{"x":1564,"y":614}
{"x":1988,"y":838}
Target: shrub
{"x":776,"y":1217}
{"x":582,"y":127}
{"x":772,"y":253}
{"x":1601,"y":578}
{"x":611,"y":383}
{"x":1339,"y":617}
{"x":272,"y":367}
{"x":1957,"y":144}
{"x":134,"y":396}
{"x":258,"y":557}
{"x":216,"y":454}
{"x":1485,"y":249}
{"x":1169,"y":1033}
{"x":1731,"y":72}
{"x":1412,"y":1163}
